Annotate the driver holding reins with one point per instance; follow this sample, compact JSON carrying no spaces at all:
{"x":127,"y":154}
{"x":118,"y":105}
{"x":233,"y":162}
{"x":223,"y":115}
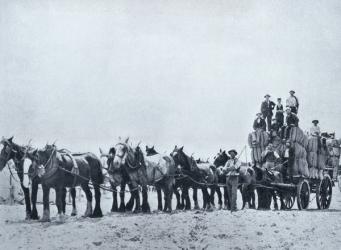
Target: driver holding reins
{"x":232,"y":168}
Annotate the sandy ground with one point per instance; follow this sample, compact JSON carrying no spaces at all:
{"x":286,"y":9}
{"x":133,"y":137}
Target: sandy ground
{"x":244,"y":229}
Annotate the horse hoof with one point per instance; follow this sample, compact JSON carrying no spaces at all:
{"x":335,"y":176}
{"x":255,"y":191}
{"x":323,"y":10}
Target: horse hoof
{"x":74,"y":212}
{"x":45,"y":220}
{"x":97,"y":213}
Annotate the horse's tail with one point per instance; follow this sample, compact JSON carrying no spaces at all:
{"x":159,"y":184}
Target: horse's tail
{"x":96,"y":173}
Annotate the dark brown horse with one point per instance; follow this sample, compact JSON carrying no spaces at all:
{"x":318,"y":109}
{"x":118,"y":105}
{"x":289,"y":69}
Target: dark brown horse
{"x":196,"y":176}
{"x":17,"y":153}
{"x":56,"y":171}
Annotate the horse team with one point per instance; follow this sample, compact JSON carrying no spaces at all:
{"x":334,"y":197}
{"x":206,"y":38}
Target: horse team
{"x":126,"y":166}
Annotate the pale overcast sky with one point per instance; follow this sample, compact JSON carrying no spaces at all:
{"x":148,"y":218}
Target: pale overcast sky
{"x":190,"y":73}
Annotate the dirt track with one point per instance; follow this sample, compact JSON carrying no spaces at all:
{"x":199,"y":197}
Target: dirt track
{"x":246,"y":229}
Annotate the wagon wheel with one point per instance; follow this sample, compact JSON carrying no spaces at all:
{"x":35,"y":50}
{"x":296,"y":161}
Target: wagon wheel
{"x":288,"y":200}
{"x":303,"y":194}
{"x":324,"y":191}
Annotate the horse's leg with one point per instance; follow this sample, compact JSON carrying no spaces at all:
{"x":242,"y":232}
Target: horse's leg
{"x":251,"y":197}
{"x":159,"y":199}
{"x":59,"y":202}
{"x":226,"y":199}
{"x":207,"y":198}
{"x":213,"y":190}
{"x":137,"y":199}
{"x":73,"y":197}
{"x":130,"y":204}
{"x":46,"y":201}
{"x":27,"y":198}
{"x":169,"y":195}
{"x":274,"y":197}
{"x":195,"y":198}
{"x":204,"y":198}
{"x":145,"y":204}
{"x":63,"y":197}
{"x":220,"y":202}
{"x":34,"y":215}
{"x":178,"y":201}
{"x":164,"y":189}
{"x":243,"y":191}
{"x":97,"y":211}
{"x":114,"y":207}
{"x":186,"y":196}
{"x":88,"y":194}
{"x":122,"y":207}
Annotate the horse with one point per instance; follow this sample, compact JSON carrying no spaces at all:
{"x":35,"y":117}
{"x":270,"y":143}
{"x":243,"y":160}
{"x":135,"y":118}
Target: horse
{"x":163,"y":164}
{"x":118,"y":178}
{"x":247,"y":178}
{"x":156,"y":171}
{"x":196,"y":176}
{"x":150,"y":152}
{"x":58,"y":171}
{"x":17,"y":153}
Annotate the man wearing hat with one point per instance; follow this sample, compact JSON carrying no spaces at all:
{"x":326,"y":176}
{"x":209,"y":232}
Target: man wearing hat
{"x":232,"y":169}
{"x":266,"y":109}
{"x":292,"y":102}
{"x":259,"y":122}
{"x":291,"y":121}
{"x":315,"y":129}
{"x":279,"y":112}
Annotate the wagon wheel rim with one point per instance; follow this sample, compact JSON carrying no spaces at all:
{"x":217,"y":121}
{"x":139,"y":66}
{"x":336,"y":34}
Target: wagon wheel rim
{"x":326,"y":193}
{"x":303,"y":194}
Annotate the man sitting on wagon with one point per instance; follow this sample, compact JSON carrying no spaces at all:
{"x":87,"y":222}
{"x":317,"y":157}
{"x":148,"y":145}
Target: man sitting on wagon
{"x":258,"y":124}
{"x":291,"y":121}
{"x":232,"y":168}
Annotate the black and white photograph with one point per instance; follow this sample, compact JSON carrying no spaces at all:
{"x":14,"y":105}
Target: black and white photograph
{"x":170,"y":124}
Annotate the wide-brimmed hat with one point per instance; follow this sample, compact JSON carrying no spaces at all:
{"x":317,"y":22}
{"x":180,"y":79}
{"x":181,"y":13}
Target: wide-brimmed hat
{"x":259,"y":113}
{"x":232,"y":151}
{"x":315,"y":121}
{"x":288,"y":108}
{"x":292,"y":91}
{"x":279,"y":99}
{"x":267,"y":95}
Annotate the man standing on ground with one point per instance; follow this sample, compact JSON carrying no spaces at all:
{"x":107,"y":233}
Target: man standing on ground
{"x":292,"y":102}
{"x":266,"y":109}
{"x":232,"y":168}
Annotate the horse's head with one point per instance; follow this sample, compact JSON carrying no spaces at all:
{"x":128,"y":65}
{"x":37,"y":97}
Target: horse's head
{"x":7,"y":151}
{"x":12,"y":151}
{"x":126,"y":156}
{"x":180,"y":158}
{"x":151,"y":151}
{"x":221,"y":158}
{"x":42,"y":157}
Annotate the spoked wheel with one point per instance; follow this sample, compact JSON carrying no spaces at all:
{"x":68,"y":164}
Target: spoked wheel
{"x":288,"y":200}
{"x":324,"y":191}
{"x":303,"y":194}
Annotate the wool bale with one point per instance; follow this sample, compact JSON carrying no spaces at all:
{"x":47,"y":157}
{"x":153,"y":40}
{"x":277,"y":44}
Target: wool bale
{"x":297,"y":135}
{"x":312,"y":144}
{"x":262,"y":138}
{"x":299,"y":151}
{"x":256,"y":154}
{"x":321,"y":160}
{"x":303,"y":167}
{"x":312,"y":159}
{"x":333,"y":161}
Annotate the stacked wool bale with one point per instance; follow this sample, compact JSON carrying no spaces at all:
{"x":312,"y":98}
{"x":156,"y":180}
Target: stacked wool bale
{"x":262,"y":140}
{"x":300,"y":142}
{"x":334,"y":151}
{"x":312,"y":156}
